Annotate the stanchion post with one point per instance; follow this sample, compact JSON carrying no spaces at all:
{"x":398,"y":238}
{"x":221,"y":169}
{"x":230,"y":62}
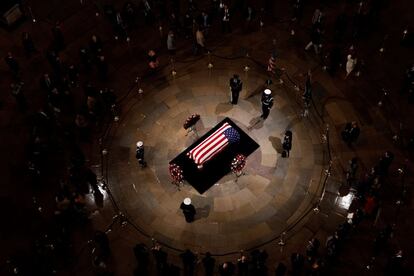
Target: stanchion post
{"x":173,"y":72}
{"x":31,"y":14}
{"x":210,"y":64}
{"x":246,"y":70}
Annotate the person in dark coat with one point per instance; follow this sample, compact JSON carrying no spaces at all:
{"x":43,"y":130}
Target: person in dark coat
{"x":225,"y":20}
{"x":141,"y":253}
{"x":153,"y":61}
{"x":315,"y":39}
{"x":102,"y":68}
{"x":280,"y":270}
{"x":226,"y":269}
{"x":95,"y":46}
{"x":12,"y":63}
{"x":287,"y":142}
{"x":161,"y":258}
{"x":139,"y":154}
{"x":18,"y":94}
{"x":267,"y":103}
{"x":209,"y":263}
{"x":58,"y":40}
{"x":243,"y":266}
{"x":85,"y":58}
{"x":188,"y":210}
{"x":28,"y":44}
{"x":297,"y":260}
{"x":47,"y":83}
{"x":351,"y":132}
{"x":236,"y":86}
{"x":189,"y":261}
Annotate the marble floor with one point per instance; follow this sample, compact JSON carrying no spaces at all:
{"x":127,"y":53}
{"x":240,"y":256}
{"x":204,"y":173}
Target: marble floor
{"x":274,"y":196}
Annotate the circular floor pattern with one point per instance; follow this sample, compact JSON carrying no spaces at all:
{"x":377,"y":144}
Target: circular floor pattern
{"x":231,"y":215}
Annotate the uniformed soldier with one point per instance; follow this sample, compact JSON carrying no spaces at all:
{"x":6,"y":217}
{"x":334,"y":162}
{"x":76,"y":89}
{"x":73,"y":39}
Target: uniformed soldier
{"x":139,"y":154}
{"x":287,"y":143}
{"x":267,"y":103}
{"x":235,"y":86}
{"x":189,"y":210}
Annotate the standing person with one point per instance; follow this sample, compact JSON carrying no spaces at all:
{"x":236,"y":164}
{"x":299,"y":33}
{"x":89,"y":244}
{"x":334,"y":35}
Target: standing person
{"x":315,"y":39}
{"x":236,"y":86}
{"x":317,"y":17}
{"x":139,"y":154}
{"x":189,"y":260}
{"x":267,"y":103}
{"x":58,"y":40}
{"x":28,"y":44}
{"x":249,"y":13}
{"x":18,"y":94}
{"x":95,"y":46}
{"x":119,"y":26}
{"x":102,"y":68}
{"x":351,"y":171}
{"x":225,"y":21}
{"x":271,"y":67}
{"x":307,"y":95}
{"x":171,"y":43}
{"x":205,"y":20}
{"x":46,"y":83}
{"x":12,"y":63}
{"x":209,"y":263}
{"x":188,"y":209}
{"x":73,"y":75}
{"x":350,"y":65}
{"x":188,"y":25}
{"x":153,"y":62}
{"x":271,"y":64}
{"x":287,"y":143}
{"x":351,"y":132}
{"x":85,"y":58}
{"x":226,"y":269}
{"x":243,"y":266}
{"x":297,"y":10}
{"x":200,"y":41}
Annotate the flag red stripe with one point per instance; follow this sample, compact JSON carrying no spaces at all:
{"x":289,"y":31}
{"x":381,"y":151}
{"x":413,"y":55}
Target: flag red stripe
{"x":217,"y":143}
{"x":208,"y":141}
{"x":212,"y":145}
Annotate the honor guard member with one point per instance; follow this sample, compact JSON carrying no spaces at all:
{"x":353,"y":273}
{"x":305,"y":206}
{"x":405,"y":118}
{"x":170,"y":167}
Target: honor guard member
{"x":139,"y":154}
{"x":235,"y":86}
{"x":267,"y":103}
{"x":189,"y":210}
{"x":287,"y":143}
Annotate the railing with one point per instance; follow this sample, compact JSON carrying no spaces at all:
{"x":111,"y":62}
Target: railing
{"x":128,"y":97}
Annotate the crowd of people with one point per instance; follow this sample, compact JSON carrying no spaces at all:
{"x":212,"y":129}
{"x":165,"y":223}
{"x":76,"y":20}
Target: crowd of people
{"x":62,"y":127}
{"x":317,"y":258}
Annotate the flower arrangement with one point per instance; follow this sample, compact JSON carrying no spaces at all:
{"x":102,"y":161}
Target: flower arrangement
{"x":176,"y":173}
{"x":238,"y":163}
{"x":192,"y":120}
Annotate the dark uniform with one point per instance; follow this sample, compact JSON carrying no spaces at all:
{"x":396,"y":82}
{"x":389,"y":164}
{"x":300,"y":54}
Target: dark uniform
{"x":236,"y":86}
{"x":189,"y":212}
{"x":267,"y":103}
{"x":139,"y":155}
{"x":287,"y":142}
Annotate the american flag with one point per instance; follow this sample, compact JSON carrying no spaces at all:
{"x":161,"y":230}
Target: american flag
{"x":214,"y":143}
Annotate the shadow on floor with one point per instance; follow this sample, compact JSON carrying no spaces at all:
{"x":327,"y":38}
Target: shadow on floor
{"x":255,"y":123}
{"x":202,"y":212}
{"x":276,"y":143}
{"x":223,"y":108}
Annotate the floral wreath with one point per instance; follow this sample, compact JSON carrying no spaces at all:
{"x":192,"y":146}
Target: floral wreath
{"x":238,"y":163}
{"x":176,"y":173}
{"x":192,"y":120}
